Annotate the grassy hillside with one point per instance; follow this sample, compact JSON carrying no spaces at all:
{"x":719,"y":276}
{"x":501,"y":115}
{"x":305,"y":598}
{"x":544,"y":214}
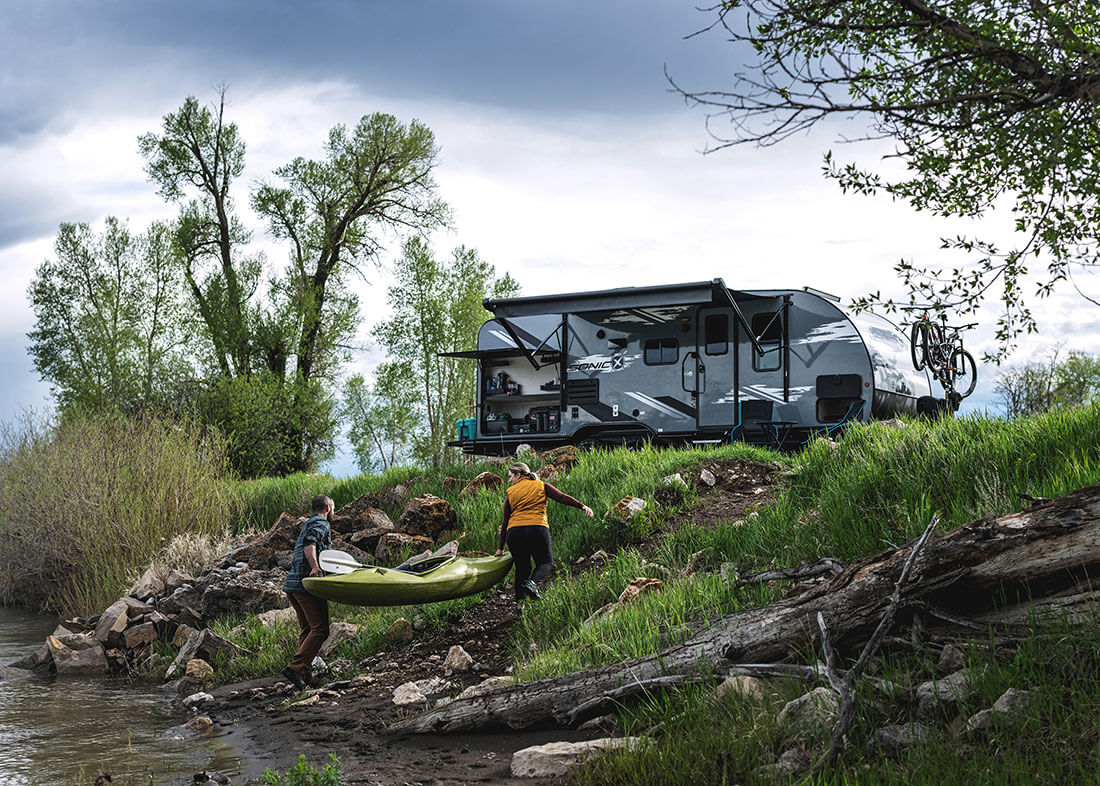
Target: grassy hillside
{"x":874,"y":489}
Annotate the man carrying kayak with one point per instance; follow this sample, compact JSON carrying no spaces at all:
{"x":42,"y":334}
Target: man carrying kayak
{"x":312,"y":612}
{"x":526,"y":530}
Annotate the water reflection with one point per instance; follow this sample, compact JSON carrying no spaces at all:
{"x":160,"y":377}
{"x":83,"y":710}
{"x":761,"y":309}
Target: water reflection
{"x":69,"y":731}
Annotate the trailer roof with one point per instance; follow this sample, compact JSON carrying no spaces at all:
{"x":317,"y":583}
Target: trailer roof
{"x":609,"y":299}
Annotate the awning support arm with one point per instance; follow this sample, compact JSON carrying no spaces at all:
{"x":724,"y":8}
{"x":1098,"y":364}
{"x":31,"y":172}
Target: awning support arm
{"x":725,"y":293}
{"x":528,"y":353}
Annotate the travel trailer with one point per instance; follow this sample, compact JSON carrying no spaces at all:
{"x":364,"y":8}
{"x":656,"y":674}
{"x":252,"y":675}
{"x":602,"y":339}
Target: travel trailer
{"x":684,"y":364}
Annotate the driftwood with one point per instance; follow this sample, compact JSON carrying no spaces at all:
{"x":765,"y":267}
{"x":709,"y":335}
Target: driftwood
{"x":975,"y":575}
{"x":826,"y":566}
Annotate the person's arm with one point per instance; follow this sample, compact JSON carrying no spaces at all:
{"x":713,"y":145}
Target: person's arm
{"x":565,"y":499}
{"x":310,"y":553}
{"x":501,"y":537}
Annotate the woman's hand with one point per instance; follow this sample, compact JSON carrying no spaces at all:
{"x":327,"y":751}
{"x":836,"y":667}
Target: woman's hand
{"x":587,"y":511}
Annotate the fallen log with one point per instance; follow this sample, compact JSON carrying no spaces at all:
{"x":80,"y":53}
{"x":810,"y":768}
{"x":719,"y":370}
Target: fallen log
{"x":986,"y":567}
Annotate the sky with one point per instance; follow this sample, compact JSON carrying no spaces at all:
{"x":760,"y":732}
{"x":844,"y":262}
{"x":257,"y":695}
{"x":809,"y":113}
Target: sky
{"x":567,"y":159}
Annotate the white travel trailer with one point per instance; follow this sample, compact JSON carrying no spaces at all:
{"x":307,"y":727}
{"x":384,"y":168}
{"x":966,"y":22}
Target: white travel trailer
{"x":684,"y":363}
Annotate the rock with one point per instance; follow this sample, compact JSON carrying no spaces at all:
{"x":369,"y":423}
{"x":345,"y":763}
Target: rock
{"x":599,"y":556}
{"x":450,"y":548}
{"x":198,"y":669}
{"x":393,"y":545}
{"x":674,"y":481}
{"x":951,"y":659}
{"x":176,"y":579}
{"x":308,"y":701}
{"x":408,"y":693}
{"x":898,"y":738}
{"x":112,"y":622}
{"x":486,"y":480}
{"x":276,"y":616}
{"x":452,"y":483}
{"x":792,"y":763}
{"x":200,"y":724}
{"x":339,"y":632}
{"x":565,"y":455}
{"x":811,"y":711}
{"x":745,"y":687}
{"x":942,"y":697}
{"x":197,"y":699}
{"x":524,"y":452}
{"x":399,"y":632}
{"x":433,"y":686}
{"x":486,"y":686}
{"x":706,"y":477}
{"x":458,"y":660}
{"x":137,"y":635}
{"x":183,"y":633}
{"x":549,"y":473}
{"x":700,"y":557}
{"x":428,"y":516}
{"x":1007,"y":711}
{"x":367,"y":539}
{"x":76,"y":663}
{"x":626,"y":509}
{"x":555,"y":759}
{"x":14,"y":673}
{"x":148,"y":585}
{"x":242,"y":596}
{"x":211,"y":645}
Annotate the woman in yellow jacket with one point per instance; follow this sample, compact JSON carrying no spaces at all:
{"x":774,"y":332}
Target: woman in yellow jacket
{"x":525,"y":528}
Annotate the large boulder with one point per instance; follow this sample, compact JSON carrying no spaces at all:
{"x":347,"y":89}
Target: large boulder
{"x":394,"y":546}
{"x":112,"y":623}
{"x":428,"y":516}
{"x":242,"y":595}
{"x":555,"y":759}
{"x":486,"y":480}
{"x":70,"y":662}
{"x":367,"y":539}
{"x":148,"y":585}
{"x":383,"y":498}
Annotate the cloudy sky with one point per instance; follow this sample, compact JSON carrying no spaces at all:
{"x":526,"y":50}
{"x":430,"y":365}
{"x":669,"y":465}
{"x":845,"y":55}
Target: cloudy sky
{"x":566,"y":158}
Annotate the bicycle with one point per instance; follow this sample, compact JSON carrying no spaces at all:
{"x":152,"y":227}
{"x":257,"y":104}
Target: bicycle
{"x":939,"y":348}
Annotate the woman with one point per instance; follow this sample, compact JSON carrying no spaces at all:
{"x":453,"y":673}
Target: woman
{"x":525,"y":528}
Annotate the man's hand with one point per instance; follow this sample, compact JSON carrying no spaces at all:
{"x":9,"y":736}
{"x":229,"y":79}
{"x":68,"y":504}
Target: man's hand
{"x":316,"y":572}
{"x":500,"y":552}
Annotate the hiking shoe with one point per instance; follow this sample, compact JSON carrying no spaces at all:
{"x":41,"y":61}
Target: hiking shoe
{"x":297,"y":679}
{"x":531,"y":590}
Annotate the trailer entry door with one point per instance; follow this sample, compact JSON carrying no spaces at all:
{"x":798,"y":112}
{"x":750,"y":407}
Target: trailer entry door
{"x":717,"y":400}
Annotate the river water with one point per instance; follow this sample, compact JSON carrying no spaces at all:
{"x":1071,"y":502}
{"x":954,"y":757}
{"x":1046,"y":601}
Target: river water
{"x":61,"y":732}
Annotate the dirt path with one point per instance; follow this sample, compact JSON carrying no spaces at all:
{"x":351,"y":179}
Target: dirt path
{"x":349,"y":718}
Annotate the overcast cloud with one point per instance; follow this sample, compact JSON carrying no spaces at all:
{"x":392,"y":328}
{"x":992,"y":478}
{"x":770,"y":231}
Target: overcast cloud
{"x":564,"y":155}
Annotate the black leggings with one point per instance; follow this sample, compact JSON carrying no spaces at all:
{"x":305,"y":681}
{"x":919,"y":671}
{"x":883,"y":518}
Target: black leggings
{"x":525,"y":544}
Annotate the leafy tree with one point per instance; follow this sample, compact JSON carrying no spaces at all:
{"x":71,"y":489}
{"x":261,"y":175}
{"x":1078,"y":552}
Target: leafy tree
{"x":987,"y":103}
{"x":196,"y":158}
{"x":294,"y":329}
{"x":378,"y":177}
{"x":108,"y":331}
{"x":382,"y":418}
{"x":1044,"y":385}
{"x":437,"y":307}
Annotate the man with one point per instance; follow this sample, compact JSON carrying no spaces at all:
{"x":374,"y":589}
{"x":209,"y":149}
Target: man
{"x":315,"y":537}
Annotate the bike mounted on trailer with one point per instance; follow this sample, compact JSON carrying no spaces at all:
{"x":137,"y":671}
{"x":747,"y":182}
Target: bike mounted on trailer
{"x":938,"y":347}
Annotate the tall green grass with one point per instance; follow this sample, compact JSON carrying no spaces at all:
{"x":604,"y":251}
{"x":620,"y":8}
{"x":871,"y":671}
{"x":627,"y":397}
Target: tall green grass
{"x":88,"y":503}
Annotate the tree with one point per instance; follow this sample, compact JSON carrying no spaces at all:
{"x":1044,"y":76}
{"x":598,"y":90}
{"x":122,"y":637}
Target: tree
{"x":292,"y":330}
{"x":1041,"y":386}
{"x":377,"y":178}
{"x":108,"y":331}
{"x":437,"y":307}
{"x":199,"y":155}
{"x":383,"y":418}
{"x":987,"y":102}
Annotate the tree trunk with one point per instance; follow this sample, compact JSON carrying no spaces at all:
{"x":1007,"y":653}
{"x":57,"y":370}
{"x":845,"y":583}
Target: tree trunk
{"x":974,"y":575}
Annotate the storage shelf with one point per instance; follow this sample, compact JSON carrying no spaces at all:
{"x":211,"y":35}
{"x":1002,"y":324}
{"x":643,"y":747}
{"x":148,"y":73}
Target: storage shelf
{"x":523,"y":396}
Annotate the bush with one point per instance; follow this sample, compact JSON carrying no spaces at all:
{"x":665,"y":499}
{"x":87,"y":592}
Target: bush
{"x":87,"y":503}
{"x":304,"y":774}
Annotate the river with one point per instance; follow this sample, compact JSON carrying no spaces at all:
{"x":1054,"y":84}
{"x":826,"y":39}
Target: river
{"x":61,"y":732}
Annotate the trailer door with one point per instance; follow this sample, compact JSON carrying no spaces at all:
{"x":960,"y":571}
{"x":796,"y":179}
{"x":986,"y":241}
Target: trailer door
{"x":716,"y":385}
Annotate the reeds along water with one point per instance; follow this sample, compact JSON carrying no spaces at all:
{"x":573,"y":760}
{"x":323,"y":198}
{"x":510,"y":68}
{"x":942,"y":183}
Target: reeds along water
{"x":87,"y":503}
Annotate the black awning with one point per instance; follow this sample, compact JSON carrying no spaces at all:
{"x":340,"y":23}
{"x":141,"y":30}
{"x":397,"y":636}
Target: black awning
{"x":699,"y":292}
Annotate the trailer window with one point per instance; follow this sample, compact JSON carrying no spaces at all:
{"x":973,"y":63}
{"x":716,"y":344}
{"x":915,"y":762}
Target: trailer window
{"x":768,"y":327}
{"x":716,"y":334}
{"x":661,"y":351}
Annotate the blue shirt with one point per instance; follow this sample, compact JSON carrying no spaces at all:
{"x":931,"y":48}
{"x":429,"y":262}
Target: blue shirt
{"x":315,"y":532}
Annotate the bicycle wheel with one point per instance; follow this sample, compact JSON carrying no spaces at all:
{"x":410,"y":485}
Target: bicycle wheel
{"x":965,"y":372}
{"x":918,"y":346}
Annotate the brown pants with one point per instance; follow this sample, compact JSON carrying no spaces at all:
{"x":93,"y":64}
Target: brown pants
{"x":313,"y":620}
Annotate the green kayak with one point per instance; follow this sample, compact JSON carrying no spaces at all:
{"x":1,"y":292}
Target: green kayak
{"x":428,"y":581}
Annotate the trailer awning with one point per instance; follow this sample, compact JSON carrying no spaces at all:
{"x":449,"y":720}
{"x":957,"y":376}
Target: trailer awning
{"x":700,"y":292}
